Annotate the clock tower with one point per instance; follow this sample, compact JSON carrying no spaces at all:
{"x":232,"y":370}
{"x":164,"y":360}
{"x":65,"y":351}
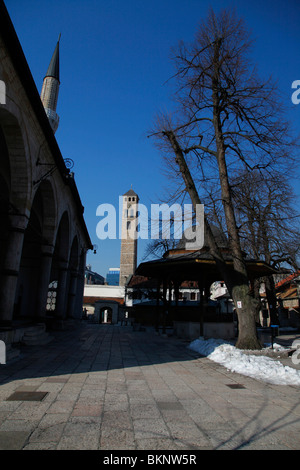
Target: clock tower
{"x":128,"y":261}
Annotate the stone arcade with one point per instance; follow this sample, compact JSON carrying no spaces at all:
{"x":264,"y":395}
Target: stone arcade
{"x":43,"y":236}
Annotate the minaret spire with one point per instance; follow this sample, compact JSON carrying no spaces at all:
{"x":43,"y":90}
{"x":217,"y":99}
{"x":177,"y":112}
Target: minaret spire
{"x":50,"y":89}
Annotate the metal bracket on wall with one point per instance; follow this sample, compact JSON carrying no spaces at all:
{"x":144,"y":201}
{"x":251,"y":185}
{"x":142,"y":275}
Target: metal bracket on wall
{"x":68,"y":162}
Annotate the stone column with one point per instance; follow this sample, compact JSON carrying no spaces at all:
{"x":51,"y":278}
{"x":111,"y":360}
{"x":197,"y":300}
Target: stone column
{"x":157,"y":310}
{"x":11,"y":265}
{"x":80,"y":286}
{"x":61,"y":297}
{"x":79,"y":296}
{"x":176,"y":292}
{"x":44,"y":280}
{"x":165,"y":305}
{"x":71,"y":311}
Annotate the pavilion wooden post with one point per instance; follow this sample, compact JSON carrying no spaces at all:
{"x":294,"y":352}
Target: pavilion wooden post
{"x":157,"y":305}
{"x":176,"y":292}
{"x":169,"y":305}
{"x":201,"y":303}
{"x":165,"y":305}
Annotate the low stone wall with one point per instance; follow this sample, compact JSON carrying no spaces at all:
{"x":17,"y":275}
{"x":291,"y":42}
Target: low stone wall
{"x":191,"y":330}
{"x":219,"y":330}
{"x":33,"y":335}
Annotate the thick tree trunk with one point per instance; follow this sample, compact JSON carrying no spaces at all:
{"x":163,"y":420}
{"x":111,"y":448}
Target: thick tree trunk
{"x":246,"y":312}
{"x":236,"y":282}
{"x":245,"y":304}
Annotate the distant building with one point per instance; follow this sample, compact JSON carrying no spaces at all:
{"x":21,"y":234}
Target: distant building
{"x":288,"y":298}
{"x":113,"y":277}
{"x":104,"y":304}
{"x":91,"y":277}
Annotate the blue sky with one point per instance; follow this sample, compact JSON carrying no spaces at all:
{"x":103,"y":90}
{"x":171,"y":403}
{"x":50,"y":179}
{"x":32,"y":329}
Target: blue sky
{"x":114,"y":65}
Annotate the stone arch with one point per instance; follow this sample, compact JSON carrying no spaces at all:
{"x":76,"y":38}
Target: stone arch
{"x":48,"y":198}
{"x":61,"y":246}
{"x":29,"y":263}
{"x":34,"y":272}
{"x":62,"y":241}
{"x":19,"y":174}
{"x":5,"y":187}
{"x":59,"y":270}
{"x":106,"y":311}
{"x":106,"y":314}
{"x":14,"y":206}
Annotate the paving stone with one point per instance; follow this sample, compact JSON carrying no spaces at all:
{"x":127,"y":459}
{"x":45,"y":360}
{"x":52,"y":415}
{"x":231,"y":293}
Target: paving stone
{"x":150,"y":428}
{"x":13,"y":440}
{"x":78,"y":443}
{"x":61,"y":406}
{"x":158,"y":444}
{"x":50,"y":428}
{"x":144,"y":411}
{"x":40,"y":446}
{"x":116,"y":439}
{"x":19,"y":425}
{"x":87,"y":410}
{"x":57,"y":380}
{"x":172,"y":405}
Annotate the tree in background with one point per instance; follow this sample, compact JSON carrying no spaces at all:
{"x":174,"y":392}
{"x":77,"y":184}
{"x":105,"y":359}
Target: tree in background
{"x":268,"y":224}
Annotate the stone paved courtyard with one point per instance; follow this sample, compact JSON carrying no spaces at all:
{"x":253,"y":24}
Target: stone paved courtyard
{"x":109,"y":387}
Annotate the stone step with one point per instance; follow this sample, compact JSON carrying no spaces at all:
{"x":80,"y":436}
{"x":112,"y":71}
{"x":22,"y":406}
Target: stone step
{"x":34,"y":331}
{"x":36,"y":335}
{"x":38,"y":340}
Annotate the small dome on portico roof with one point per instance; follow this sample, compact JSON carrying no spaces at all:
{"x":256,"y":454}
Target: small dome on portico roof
{"x":188,"y":237}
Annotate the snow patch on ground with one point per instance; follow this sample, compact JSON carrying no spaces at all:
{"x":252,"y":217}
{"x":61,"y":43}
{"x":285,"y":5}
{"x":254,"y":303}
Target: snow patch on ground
{"x":259,"y":367}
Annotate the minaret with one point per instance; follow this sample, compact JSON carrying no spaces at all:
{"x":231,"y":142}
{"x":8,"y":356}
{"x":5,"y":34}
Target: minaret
{"x":128,"y":261}
{"x":49,"y":93}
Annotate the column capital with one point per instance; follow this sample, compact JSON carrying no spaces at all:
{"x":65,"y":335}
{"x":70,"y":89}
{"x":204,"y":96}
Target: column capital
{"x":63,"y":265}
{"x":74,"y":272}
{"x":18,"y":222}
{"x":47,"y":250}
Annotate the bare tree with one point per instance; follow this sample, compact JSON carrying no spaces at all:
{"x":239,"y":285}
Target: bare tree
{"x":267,"y":218}
{"x":227,"y":120}
{"x":156,"y":248}
{"x":268,"y":224}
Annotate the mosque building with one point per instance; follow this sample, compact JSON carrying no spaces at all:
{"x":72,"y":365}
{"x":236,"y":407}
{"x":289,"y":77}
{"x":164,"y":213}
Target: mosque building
{"x":43,"y":235}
